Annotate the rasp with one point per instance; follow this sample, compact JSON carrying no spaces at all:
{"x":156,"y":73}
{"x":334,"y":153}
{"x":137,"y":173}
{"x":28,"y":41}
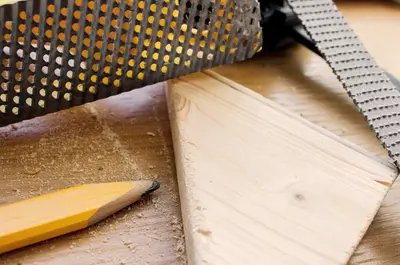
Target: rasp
{"x":57,"y":54}
{"x":369,"y":86}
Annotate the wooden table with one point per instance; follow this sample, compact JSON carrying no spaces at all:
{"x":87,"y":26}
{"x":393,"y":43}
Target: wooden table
{"x":128,"y":137}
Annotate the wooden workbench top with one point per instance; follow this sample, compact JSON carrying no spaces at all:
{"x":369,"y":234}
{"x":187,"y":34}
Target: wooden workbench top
{"x":128,"y":137}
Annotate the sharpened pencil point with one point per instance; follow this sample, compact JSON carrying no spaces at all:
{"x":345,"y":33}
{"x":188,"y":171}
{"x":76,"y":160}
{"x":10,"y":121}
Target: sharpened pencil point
{"x":40,"y":218}
{"x":153,"y":187}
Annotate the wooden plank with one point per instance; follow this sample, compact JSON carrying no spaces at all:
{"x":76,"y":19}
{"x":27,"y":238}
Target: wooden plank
{"x":121,"y":138}
{"x":294,"y":78}
{"x":381,"y":244}
{"x":303,"y":83}
{"x":260,"y":184}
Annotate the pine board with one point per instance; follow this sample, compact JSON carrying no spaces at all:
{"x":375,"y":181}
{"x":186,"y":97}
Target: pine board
{"x":260,"y":184}
{"x":303,"y":83}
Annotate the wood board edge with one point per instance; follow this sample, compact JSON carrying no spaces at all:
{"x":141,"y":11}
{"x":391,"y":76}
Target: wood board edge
{"x":180,"y":156}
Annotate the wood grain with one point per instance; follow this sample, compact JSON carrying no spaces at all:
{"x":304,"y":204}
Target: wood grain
{"x":72,"y":148}
{"x":302,"y":82}
{"x":381,"y":244}
{"x":122,"y":138}
{"x":259,"y":184}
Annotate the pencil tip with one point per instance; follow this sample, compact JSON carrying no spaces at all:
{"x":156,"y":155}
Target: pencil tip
{"x":154,"y":186}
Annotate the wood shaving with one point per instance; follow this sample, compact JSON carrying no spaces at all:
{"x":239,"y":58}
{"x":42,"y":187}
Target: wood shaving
{"x":32,"y":172}
{"x":140,"y":215}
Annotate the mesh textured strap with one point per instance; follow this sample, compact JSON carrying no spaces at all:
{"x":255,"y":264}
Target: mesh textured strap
{"x":368,"y":86}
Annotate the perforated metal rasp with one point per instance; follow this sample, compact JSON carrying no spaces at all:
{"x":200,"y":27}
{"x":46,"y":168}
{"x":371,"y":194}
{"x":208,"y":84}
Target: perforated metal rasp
{"x":371,"y":90}
{"x":56,"y":54}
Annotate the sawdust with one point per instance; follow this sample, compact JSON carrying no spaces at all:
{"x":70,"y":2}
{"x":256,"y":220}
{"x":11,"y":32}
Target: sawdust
{"x":180,"y":248}
{"x":204,"y":232}
{"x":151,"y":134}
{"x":73,"y":150}
{"x":155,"y":202}
{"x":111,"y":135}
{"x":32,"y":171}
{"x":180,"y":243}
{"x":140,"y":215}
{"x":130,"y":245}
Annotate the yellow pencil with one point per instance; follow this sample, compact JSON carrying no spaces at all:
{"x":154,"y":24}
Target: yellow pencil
{"x":30,"y":221}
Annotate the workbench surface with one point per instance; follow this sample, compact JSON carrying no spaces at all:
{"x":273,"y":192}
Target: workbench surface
{"x":128,"y":137}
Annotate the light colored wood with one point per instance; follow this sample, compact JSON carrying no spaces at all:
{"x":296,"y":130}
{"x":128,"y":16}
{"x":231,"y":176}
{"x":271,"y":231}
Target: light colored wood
{"x":52,"y":153}
{"x":122,"y":138}
{"x":259,"y":184}
{"x":376,"y":24}
{"x":54,"y":214}
{"x":302,"y":82}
